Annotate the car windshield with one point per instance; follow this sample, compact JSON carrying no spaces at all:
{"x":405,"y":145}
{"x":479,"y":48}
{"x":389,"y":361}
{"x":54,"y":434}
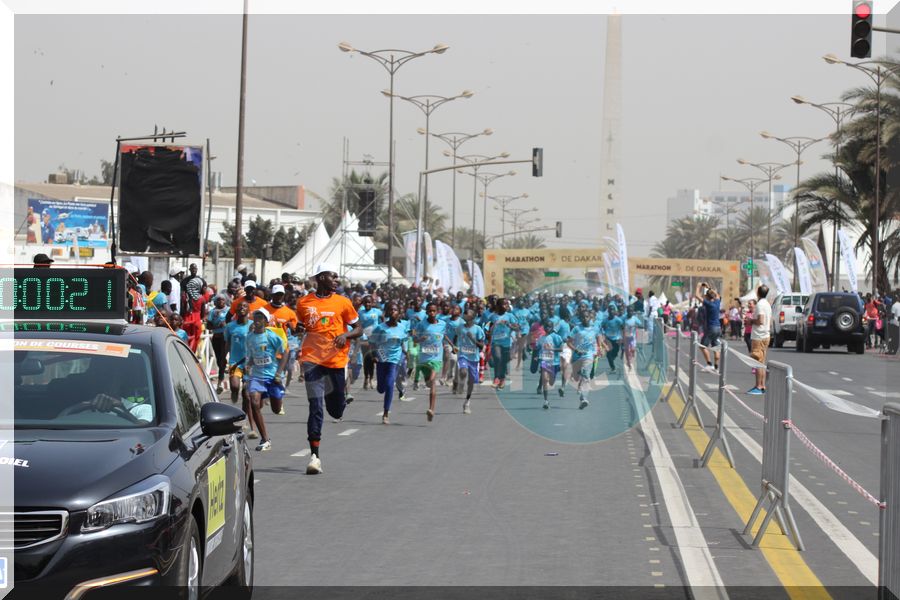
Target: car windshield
{"x":66,"y":384}
{"x":832,"y":303}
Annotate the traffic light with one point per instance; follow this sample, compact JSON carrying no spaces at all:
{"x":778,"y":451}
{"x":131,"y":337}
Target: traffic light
{"x":559,"y":229}
{"x":861,"y":29}
{"x":537,"y":162}
{"x":367,"y":212}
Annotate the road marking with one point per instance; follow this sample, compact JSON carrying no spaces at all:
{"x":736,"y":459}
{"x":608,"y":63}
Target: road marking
{"x":699,"y":567}
{"x":379,"y":413}
{"x":843,"y":538}
{"x":884,"y":394}
{"x":869,"y":388}
{"x":838,"y":392}
{"x":833,"y":373}
{"x":348,"y":432}
{"x":302,"y":453}
{"x":784,"y":559}
{"x":256,"y":481}
{"x":846,"y":379}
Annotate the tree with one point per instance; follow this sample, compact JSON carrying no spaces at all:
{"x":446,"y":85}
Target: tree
{"x":260,"y":233}
{"x":106,"y":172}
{"x":351,"y":185}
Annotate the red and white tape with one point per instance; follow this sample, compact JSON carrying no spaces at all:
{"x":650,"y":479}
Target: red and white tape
{"x":741,"y":402}
{"x":831,"y":464}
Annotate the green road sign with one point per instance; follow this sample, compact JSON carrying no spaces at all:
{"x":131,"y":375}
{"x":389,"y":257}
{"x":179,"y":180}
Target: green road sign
{"x":551,"y":273}
{"x":677,"y":284}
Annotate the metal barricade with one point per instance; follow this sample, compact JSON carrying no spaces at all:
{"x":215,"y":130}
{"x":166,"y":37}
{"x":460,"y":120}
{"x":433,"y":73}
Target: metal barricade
{"x":776,"y":457}
{"x":676,"y":382}
{"x":660,"y":351}
{"x":690,"y":401}
{"x":718,"y":434}
{"x":889,"y":519}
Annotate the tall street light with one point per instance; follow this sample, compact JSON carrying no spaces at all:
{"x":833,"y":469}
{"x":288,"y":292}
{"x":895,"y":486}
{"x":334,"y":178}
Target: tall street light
{"x":879,"y":74}
{"x":428,"y":103}
{"x":798,"y":144}
{"x":728,"y":204}
{"x":502,"y":202}
{"x":769,"y":169}
{"x":454,"y":139}
{"x":239,"y":189}
{"x":838,"y":111}
{"x":473,"y":159}
{"x":517,"y":214}
{"x":751,"y":183}
{"x":391,"y":59}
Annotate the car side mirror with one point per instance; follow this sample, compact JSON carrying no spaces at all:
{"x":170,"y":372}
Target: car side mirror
{"x":798,"y":309}
{"x":217,"y":418}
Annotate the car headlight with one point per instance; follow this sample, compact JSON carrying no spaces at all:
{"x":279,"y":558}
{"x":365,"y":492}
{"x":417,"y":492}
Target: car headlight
{"x":139,"y":507}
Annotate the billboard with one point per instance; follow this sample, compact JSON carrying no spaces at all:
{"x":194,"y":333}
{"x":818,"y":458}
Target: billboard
{"x":67,"y":222}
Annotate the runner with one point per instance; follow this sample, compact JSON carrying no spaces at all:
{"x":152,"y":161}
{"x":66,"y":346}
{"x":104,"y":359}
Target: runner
{"x":388,"y":342}
{"x":264,"y":369}
{"x":712,"y":331}
{"x":583,"y":343}
{"x":215,"y":323}
{"x":549,"y":346}
{"x":503,"y":324}
{"x":612,"y":328}
{"x":470,"y":341}
{"x":629,"y":331}
{"x":369,"y":317}
{"x":564,"y":329}
{"x":285,"y":319}
{"x":430,"y":335}
{"x":324,"y":354}
{"x":236,"y":347}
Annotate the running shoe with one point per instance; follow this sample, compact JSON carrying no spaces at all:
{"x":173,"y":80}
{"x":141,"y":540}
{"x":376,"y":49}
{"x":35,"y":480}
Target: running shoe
{"x":400,"y":396}
{"x":583,"y":404}
{"x":415,"y":386}
{"x":429,"y":414}
{"x":562,"y":393}
{"x":501,"y":384}
{"x":220,"y":388}
{"x":264,"y":446}
{"x":281,"y":412}
{"x":338,"y":420}
{"x":467,"y":409}
{"x":315,"y":465}
{"x":546,"y":404}
{"x":348,"y":399}
{"x":253,"y":435}
{"x":385,"y":420}
{"x":755,"y":391}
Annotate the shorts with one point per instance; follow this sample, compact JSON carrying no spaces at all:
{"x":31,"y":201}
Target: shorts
{"x":551,"y":370}
{"x":711,"y":337}
{"x":266,"y":387}
{"x":429,"y":368}
{"x":470,"y":366}
{"x":758,"y":350}
{"x":582,"y":367}
{"x":630,"y":342}
{"x":236,"y":371}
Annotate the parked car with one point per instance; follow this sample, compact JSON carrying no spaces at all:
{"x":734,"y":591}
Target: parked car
{"x":785,"y":316}
{"x":832,"y":319}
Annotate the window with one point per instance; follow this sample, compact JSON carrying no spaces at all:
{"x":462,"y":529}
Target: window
{"x":198,"y":377}
{"x":832,"y":303}
{"x":186,"y":404}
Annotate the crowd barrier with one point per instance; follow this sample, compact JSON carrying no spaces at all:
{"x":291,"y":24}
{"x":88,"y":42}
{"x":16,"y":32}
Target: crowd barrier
{"x":889,"y":521}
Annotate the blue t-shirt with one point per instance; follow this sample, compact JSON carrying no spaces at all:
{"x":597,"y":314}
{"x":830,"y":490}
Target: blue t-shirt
{"x":563,"y":328}
{"x":501,"y":332}
{"x":262,"y":353}
{"x":368,"y":319}
{"x":467,"y":348}
{"x":430,"y":337}
{"x":415,"y":316}
{"x":236,"y":336}
{"x":632,"y":324}
{"x":713,"y":309}
{"x":585,"y":341}
{"x":454,"y":326}
{"x":217,"y":319}
{"x":549,"y":347}
{"x":181,"y":333}
{"x":389,"y":341}
{"x":612,"y":328}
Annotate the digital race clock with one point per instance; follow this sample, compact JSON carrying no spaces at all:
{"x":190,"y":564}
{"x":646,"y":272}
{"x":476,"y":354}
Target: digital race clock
{"x":48,"y":293}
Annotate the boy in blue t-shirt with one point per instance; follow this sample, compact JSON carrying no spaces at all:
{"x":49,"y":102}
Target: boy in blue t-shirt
{"x":430,"y":334}
{"x":548,"y":347}
{"x":469,"y":342}
{"x":583,"y":342}
{"x":264,"y":369}
{"x":388,"y":341}
{"x":235,"y":346}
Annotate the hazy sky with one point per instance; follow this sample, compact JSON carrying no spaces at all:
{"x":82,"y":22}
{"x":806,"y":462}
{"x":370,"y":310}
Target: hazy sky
{"x":697,"y":90}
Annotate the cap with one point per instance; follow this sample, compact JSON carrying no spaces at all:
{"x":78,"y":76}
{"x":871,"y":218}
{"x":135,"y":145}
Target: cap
{"x":175,"y":271}
{"x":241,"y":267}
{"x":42,"y":259}
{"x":249,"y":284}
{"x":264,"y":312}
{"x":277,"y":289}
{"x":324,"y":268}
{"x":639,"y":291}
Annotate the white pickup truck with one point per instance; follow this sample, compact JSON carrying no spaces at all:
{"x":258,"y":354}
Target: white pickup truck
{"x":784,"y":317}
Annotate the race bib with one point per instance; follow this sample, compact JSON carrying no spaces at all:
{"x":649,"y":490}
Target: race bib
{"x":261,"y":361}
{"x":468,"y":348}
{"x":431,"y":349}
{"x":547,"y":355}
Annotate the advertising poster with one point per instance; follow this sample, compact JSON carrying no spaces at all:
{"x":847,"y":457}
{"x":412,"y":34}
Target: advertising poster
{"x":65,"y":222}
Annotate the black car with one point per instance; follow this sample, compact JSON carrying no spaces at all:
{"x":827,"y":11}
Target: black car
{"x":832,"y":319}
{"x":128,"y":471}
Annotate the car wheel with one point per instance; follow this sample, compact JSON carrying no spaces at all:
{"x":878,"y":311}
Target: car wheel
{"x":191,"y":564}
{"x":807,"y":345}
{"x":243,"y":573}
{"x":798,"y":344}
{"x":779,"y":340}
{"x":858,"y":347}
{"x":845,"y":319}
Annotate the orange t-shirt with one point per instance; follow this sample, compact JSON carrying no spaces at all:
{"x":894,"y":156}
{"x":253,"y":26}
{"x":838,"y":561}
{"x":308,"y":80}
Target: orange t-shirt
{"x":254,"y":303}
{"x":283,"y":316}
{"x":324,"y":320}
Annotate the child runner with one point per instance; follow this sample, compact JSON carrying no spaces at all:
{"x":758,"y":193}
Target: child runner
{"x":264,"y":371}
{"x":430,"y":335}
{"x":549,"y":346}
{"x":583,"y":342}
{"x":503,"y":324}
{"x":470,"y":340}
{"x":388,"y":342}
{"x":612,"y":333}
{"x":629,"y":330}
{"x":215,"y":323}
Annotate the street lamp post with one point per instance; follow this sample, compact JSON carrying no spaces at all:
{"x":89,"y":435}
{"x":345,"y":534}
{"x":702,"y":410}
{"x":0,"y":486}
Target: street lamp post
{"x":428,"y":103}
{"x":769,"y":169}
{"x":454,"y":140}
{"x":838,"y":111}
{"x":751,"y":183}
{"x":798,"y":144}
{"x":391,"y":59}
{"x":502,"y":202}
{"x":518,"y":213}
{"x":728,"y":205}
{"x":878,"y":75}
{"x":487,"y":179}
{"x":474,"y":159}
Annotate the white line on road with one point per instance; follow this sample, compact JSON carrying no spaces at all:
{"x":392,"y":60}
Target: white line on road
{"x":837,"y":392}
{"x":348,"y":432}
{"x":304,"y":452}
{"x":846,"y":542}
{"x":699,"y":566}
{"x":846,"y":379}
{"x":833,"y":373}
{"x":884,"y":394}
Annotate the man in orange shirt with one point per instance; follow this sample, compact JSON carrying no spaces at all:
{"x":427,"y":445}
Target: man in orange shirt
{"x":324,"y":354}
{"x":250,"y":296}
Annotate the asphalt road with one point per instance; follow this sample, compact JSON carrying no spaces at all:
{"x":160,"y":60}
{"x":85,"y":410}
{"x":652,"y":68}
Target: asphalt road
{"x":496,"y":498}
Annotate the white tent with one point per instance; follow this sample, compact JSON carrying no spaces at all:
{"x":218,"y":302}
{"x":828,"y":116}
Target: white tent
{"x":304,"y":261}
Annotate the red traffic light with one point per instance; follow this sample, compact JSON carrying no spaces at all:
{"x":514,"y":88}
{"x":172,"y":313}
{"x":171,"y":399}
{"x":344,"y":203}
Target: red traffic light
{"x":863,"y":10}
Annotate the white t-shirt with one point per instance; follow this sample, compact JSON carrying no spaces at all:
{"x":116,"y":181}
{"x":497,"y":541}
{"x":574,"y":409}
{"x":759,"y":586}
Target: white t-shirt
{"x":761,"y":331}
{"x":175,"y":296}
{"x":895,"y":311}
{"x":652,"y":307}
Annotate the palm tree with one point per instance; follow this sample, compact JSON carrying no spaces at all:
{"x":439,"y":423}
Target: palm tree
{"x":346,"y":189}
{"x":783,"y":232}
{"x":406,"y":216}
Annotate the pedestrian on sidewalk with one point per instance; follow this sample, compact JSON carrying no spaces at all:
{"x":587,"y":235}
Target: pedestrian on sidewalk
{"x":759,"y":338}
{"x":712,"y":310}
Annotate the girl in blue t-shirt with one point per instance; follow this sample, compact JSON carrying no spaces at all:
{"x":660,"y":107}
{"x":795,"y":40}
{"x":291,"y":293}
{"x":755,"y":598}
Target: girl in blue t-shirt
{"x":548,"y":348}
{"x":388,"y":342}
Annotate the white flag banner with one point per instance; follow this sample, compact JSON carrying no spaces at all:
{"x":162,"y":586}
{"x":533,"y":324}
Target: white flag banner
{"x":849,"y":260}
{"x":817,"y":272}
{"x":765,"y":274}
{"x":477,"y":279}
{"x":779,"y":274}
{"x":623,"y":259}
{"x":609,"y":272}
{"x":409,"y":245}
{"x":428,"y":255}
{"x":803,"y":272}
{"x":441,"y":270}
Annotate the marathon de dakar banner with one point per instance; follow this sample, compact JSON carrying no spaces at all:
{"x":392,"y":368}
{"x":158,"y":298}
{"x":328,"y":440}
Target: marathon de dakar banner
{"x":779,"y":274}
{"x":803,"y":272}
{"x":623,"y":259}
{"x":817,"y":271}
{"x":67,"y":222}
{"x":849,"y":261}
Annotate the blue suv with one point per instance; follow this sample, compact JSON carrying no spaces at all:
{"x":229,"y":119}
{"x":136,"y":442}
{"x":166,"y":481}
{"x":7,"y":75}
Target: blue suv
{"x":832,"y":319}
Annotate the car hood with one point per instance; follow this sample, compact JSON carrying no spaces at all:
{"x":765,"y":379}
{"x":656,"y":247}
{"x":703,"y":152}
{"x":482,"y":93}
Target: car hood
{"x":72,"y":470}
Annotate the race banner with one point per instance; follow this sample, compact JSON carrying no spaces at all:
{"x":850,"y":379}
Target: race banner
{"x":477,"y":279}
{"x":765,"y":274}
{"x":849,"y":260}
{"x":68,"y":223}
{"x":779,"y":274}
{"x":409,"y":245}
{"x":803,"y":272}
{"x":623,"y":259}
{"x":818,"y":270}
{"x":441,"y":270}
{"x":428,"y":255}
